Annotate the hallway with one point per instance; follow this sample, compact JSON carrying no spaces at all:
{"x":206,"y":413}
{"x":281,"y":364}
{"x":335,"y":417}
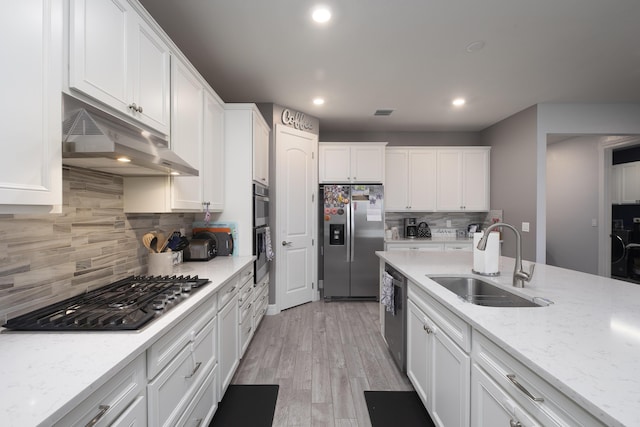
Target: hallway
{"x":323,"y":356}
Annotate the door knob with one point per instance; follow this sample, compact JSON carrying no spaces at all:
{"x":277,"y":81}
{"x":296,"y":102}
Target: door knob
{"x":284,"y":243}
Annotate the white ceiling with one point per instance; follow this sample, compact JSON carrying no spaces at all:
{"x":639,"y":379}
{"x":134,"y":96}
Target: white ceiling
{"x":411,"y":56}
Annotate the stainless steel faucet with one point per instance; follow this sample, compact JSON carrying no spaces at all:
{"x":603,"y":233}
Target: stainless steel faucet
{"x":519,"y":275}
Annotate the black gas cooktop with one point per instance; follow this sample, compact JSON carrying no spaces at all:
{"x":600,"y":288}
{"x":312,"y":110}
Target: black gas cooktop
{"x":125,"y":305}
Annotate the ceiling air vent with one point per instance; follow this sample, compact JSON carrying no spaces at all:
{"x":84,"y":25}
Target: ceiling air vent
{"x":383,"y":112}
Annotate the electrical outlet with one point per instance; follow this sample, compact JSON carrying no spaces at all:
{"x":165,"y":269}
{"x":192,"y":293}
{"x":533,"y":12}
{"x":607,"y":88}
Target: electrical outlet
{"x":448,"y":223}
{"x":525,"y":227}
{"x":594,"y":222}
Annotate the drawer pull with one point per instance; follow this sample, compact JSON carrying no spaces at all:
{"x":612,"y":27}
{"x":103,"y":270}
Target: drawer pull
{"x":103,"y":410}
{"x":512,"y":378}
{"x":231,"y":290}
{"x":194,"y":370}
{"x":514,"y":423}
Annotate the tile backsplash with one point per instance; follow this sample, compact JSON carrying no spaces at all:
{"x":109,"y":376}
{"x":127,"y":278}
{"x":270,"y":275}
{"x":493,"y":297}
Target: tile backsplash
{"x":46,"y":258}
{"x":438,"y":220}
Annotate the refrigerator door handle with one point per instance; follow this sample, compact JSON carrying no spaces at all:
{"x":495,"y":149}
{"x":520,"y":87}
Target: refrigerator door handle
{"x":352,"y":229}
{"x":348,"y":231}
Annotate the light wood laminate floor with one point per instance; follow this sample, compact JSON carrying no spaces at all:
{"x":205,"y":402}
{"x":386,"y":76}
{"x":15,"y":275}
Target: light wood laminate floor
{"x":323,"y":356}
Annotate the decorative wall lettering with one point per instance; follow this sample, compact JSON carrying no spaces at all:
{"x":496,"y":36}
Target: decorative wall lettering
{"x":296,"y":120}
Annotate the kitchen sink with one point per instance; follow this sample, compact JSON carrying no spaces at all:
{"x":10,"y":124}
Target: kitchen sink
{"x":480,"y":292}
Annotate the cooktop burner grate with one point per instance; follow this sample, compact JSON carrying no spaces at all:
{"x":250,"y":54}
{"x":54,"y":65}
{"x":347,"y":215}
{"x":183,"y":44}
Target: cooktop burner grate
{"x":127,"y":304}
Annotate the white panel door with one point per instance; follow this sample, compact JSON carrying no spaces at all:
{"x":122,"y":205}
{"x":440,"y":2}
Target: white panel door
{"x":450,"y":382}
{"x":418,"y":352}
{"x":296,"y":216}
{"x":31,"y":164}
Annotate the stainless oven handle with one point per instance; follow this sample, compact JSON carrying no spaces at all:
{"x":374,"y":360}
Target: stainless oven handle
{"x":261,"y":198}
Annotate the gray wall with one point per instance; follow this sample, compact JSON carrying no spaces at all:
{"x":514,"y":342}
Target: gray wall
{"x":405,"y":138}
{"x":513,"y":176}
{"x":572,"y":204}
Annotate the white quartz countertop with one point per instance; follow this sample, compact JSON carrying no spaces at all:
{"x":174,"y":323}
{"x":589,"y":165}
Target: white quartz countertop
{"x":586,"y":344}
{"x":43,"y":375}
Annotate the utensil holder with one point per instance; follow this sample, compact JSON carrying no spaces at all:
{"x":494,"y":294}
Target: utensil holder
{"x":161,"y":264}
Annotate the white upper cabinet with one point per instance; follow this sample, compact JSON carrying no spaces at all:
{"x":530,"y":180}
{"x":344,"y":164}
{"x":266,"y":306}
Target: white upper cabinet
{"x":462,"y":179}
{"x":260,"y":150}
{"x":31,"y":129}
{"x":351,"y":162}
{"x":117,"y":59}
{"x":213,"y":172}
{"x":626,"y":179}
{"x":197,"y":136}
{"x":410,"y":179}
{"x":187,"y":106}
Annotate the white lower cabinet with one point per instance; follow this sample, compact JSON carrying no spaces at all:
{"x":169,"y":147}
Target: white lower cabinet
{"x":204,"y":404}
{"x":515,"y":386}
{"x":491,"y":406}
{"x":437,"y":363}
{"x":119,"y":402}
{"x":228,"y":337}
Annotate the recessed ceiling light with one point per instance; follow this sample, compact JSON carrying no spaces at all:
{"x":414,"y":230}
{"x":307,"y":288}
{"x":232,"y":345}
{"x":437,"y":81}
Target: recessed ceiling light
{"x":321,"y":14}
{"x":458,"y":102}
{"x":318,"y":101}
{"x":124,"y":159}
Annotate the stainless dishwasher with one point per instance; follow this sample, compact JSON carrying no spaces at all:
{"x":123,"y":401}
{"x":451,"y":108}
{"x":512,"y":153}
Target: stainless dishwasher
{"x":395,"y":323}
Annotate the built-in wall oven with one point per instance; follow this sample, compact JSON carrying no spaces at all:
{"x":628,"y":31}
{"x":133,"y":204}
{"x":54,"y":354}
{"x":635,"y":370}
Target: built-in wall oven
{"x":260,"y":231}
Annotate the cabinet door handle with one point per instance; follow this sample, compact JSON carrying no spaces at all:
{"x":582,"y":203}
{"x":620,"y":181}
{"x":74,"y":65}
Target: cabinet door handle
{"x":194,"y":370}
{"x":514,"y":423}
{"x":512,"y":378}
{"x":103,"y":410}
{"x":427,"y":328}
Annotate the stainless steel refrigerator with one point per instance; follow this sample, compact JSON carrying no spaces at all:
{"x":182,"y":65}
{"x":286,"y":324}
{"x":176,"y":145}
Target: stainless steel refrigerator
{"x":352,"y":219}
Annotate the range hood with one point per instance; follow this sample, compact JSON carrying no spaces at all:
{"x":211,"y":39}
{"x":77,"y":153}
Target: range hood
{"x":94,"y":139}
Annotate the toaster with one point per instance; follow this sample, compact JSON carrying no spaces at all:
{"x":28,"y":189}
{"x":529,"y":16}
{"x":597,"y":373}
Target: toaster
{"x":200,"y":250}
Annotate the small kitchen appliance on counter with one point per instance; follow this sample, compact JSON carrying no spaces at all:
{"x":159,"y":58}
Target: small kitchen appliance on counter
{"x":410,"y":228}
{"x":125,"y":305}
{"x":202,"y":248}
{"x":424,"y":232}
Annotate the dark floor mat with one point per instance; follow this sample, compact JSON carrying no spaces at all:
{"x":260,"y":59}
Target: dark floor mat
{"x":396,"y":408}
{"x":246,"y":405}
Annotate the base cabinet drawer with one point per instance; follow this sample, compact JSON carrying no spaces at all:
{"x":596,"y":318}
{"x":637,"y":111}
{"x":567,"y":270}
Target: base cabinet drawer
{"x":546,"y":404}
{"x":204,"y":405}
{"x":172,"y":390}
{"x":491,"y":406}
{"x":112,"y":400}
{"x":134,"y":416}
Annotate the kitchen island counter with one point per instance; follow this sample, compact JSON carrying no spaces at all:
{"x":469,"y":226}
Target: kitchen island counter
{"x":586,"y":344}
{"x":46,"y":374}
